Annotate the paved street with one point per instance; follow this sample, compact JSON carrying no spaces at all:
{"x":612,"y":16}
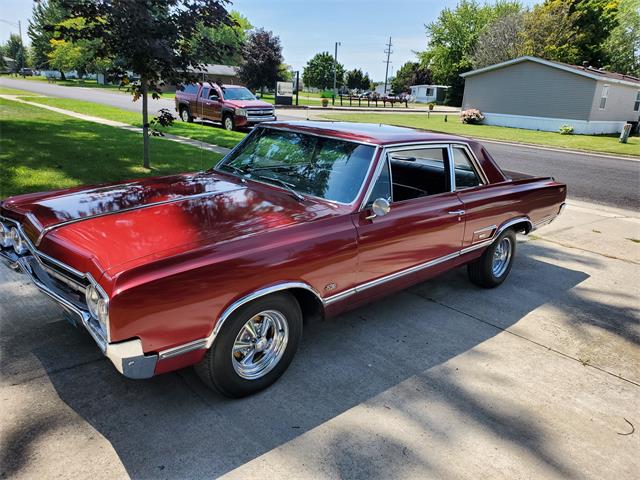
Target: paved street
{"x":444,"y":380}
{"x":610,"y":181}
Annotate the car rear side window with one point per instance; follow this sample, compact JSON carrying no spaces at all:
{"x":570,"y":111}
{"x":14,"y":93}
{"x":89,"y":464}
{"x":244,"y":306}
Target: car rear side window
{"x":465,"y":172}
{"x":191,"y":89}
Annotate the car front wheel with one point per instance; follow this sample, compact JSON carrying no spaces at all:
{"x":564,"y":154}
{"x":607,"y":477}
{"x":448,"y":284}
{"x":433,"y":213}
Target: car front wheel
{"x":493,"y":267}
{"x":227,"y":123}
{"x":185,"y":115}
{"x":254,"y":347}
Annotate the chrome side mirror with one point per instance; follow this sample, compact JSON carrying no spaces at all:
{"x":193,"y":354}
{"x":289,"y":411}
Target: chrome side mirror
{"x":380,"y":208}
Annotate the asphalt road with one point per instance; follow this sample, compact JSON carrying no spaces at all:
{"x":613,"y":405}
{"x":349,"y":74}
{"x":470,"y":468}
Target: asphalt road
{"x":610,"y":181}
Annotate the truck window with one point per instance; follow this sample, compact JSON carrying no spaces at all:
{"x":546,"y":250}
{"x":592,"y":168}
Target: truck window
{"x":465,"y":172}
{"x":191,"y":89}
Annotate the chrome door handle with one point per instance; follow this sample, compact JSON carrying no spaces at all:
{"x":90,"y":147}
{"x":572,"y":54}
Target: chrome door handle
{"x":457,"y":212}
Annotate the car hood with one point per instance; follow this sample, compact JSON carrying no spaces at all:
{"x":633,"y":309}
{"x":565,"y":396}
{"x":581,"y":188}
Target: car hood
{"x":101,"y":228}
{"x":249,"y":104}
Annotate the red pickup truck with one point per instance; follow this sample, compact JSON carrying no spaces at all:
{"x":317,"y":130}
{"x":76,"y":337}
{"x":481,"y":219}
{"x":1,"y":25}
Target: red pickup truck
{"x":232,"y":105}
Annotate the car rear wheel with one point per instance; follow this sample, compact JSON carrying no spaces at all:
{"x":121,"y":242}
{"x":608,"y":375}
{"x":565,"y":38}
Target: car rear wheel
{"x":254,"y":347}
{"x":228,"y":123}
{"x":185,"y":115}
{"x":493,"y":267}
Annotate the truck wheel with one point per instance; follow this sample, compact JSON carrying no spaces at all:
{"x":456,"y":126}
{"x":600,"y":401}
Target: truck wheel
{"x":185,"y":114}
{"x":254,"y":347}
{"x":228,"y":123}
{"x":492,"y":268}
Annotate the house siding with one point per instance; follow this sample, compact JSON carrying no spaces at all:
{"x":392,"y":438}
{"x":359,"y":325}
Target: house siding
{"x":531,"y":89}
{"x":619,"y":103}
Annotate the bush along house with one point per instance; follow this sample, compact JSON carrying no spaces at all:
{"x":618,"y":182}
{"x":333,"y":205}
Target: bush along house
{"x":537,"y":94}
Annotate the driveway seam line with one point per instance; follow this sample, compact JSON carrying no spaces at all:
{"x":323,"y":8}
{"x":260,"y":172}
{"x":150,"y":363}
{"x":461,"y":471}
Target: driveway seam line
{"x":462,"y":312}
{"x":566,"y":245}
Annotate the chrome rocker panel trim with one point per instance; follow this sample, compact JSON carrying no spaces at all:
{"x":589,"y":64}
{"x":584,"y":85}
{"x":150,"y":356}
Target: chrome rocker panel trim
{"x":205,"y":343}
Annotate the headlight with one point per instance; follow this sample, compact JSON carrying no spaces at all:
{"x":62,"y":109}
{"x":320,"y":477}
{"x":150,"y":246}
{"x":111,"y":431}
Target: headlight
{"x":19,"y":246}
{"x":241,"y":112}
{"x":98,"y":306}
{"x":5,"y":236}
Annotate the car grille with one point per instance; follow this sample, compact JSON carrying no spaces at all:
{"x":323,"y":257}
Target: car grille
{"x":261,"y":112}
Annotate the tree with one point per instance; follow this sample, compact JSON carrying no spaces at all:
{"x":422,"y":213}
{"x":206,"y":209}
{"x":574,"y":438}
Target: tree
{"x":571,"y":31}
{"x":231,"y":38}
{"x":623,"y":44}
{"x":262,"y":58}
{"x":318,"y":72}
{"x":502,"y":40}
{"x":284,"y":73}
{"x":452,"y":41}
{"x":45,"y":15}
{"x":367,"y":83}
{"x":411,"y":73}
{"x":15,"y":49}
{"x":354,"y":79}
{"x":146,"y":37}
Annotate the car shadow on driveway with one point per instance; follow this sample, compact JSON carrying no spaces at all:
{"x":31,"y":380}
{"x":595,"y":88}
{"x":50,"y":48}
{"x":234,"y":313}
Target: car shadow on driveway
{"x":172,"y":426}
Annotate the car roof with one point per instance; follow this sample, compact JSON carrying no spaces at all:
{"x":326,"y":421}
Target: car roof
{"x":374,"y":133}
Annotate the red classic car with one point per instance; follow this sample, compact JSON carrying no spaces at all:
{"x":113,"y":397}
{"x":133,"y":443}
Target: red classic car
{"x":302,"y":220}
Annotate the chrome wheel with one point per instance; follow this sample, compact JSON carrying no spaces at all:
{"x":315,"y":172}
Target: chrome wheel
{"x":501,"y":257}
{"x":260,"y":344}
{"x":184,"y":114}
{"x":228,"y":123}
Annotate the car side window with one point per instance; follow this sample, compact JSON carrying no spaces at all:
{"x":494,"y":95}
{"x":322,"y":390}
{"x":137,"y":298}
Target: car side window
{"x":191,"y":89}
{"x":465,"y":173}
{"x":419,"y":172}
{"x":204,"y":93}
{"x":382,"y":187}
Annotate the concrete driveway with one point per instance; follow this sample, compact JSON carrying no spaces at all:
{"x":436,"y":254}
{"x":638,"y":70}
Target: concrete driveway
{"x":539,"y":378}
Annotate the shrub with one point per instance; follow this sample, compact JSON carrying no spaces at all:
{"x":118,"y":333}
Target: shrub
{"x":566,"y":130}
{"x":326,"y":94}
{"x":471,"y":115}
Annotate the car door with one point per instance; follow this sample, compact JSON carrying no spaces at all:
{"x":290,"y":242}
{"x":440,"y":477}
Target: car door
{"x":425,"y":223}
{"x":205,"y":104}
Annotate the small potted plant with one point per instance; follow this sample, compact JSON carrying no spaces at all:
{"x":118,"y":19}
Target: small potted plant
{"x":431,"y":106}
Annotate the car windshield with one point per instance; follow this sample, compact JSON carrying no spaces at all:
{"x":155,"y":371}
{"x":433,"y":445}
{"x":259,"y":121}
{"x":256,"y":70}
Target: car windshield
{"x":323,"y":167}
{"x":238,"y":93}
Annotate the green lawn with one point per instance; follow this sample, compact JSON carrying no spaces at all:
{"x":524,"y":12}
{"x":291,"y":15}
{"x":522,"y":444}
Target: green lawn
{"x":13,"y":91}
{"x":44,"y":150}
{"x":437,"y":123}
{"x":205,"y":133}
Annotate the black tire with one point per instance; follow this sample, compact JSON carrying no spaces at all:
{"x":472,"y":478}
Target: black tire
{"x":217,"y":368}
{"x":228,"y":123}
{"x":185,"y":114}
{"x":481,"y":272}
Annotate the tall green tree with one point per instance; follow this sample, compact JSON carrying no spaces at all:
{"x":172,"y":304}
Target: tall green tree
{"x":411,"y":73}
{"x":623,"y":44}
{"x":262,"y":59}
{"x":501,"y":40}
{"x":318,"y":72}
{"x":231,"y":38}
{"x":14,"y":48}
{"x":452,"y":39}
{"x":45,"y":15}
{"x":571,"y":31}
{"x":147,"y":37}
{"x":354,"y":79}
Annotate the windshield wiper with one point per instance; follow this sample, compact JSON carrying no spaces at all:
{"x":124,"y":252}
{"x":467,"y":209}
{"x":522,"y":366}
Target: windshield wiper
{"x":237,"y":170}
{"x":285,"y":185}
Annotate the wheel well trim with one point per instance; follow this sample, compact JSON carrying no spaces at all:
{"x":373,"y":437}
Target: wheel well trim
{"x":279,"y":287}
{"x":512,"y":222}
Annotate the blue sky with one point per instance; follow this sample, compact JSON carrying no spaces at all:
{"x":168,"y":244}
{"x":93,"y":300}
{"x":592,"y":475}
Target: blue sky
{"x":307,"y":27}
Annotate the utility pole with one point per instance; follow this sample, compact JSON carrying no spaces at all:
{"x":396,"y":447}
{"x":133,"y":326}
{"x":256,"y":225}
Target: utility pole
{"x":335,"y":68}
{"x":297,"y":85}
{"x":388,"y":51}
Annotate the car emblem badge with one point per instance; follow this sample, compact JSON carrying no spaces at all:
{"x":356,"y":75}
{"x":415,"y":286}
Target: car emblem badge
{"x":330,"y":287}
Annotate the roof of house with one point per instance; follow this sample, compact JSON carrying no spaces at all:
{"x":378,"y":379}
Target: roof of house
{"x":589,"y":72}
{"x":373,"y":133}
{"x":436,"y":86}
{"x":212,"y":69}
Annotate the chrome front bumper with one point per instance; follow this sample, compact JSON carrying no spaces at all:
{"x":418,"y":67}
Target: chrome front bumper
{"x":261,"y":118}
{"x":128,"y":356}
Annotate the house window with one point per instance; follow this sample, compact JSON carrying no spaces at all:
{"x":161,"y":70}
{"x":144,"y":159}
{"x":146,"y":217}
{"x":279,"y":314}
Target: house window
{"x":603,"y":98}
{"x":636,"y":106}
{"x":429,"y":92}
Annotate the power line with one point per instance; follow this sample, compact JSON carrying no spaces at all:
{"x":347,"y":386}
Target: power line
{"x":388,"y":51}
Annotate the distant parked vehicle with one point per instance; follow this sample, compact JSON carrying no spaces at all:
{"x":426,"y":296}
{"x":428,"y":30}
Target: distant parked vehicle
{"x":26,"y":72}
{"x":232,"y":105}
